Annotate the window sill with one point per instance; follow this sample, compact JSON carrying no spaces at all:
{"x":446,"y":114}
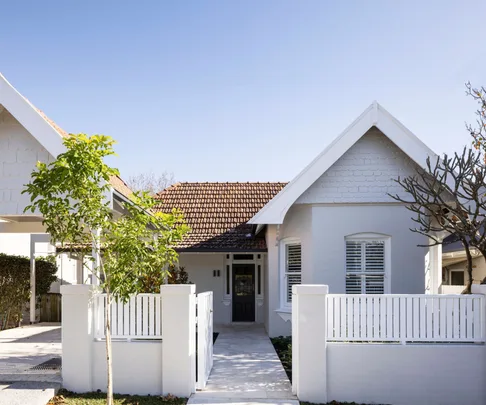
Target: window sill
{"x":285,"y":313}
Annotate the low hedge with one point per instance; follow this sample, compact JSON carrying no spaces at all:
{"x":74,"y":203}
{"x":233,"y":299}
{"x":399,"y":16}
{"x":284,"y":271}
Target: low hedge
{"x":15,"y":284}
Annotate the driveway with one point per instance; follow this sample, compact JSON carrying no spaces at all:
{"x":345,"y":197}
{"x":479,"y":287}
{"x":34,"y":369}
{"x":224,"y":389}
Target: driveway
{"x":20,"y":350}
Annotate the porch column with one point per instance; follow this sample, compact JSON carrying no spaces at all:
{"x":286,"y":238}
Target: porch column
{"x":34,"y":239}
{"x":435,"y":268}
{"x":95,"y":252}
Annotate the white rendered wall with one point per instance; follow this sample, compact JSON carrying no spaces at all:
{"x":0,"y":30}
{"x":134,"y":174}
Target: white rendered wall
{"x":322,"y":230}
{"x":137,"y":367}
{"x":384,"y":373}
{"x":331,"y":225}
{"x":19,"y":153}
{"x":15,"y":244}
{"x":200,"y":268}
{"x":296,"y":225}
{"x":363,"y":174}
{"x":407,"y":374}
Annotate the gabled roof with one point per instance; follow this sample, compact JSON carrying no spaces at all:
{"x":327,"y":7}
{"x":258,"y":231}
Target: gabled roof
{"x":46,"y":131}
{"x":374,"y":116}
{"x":218,"y":213}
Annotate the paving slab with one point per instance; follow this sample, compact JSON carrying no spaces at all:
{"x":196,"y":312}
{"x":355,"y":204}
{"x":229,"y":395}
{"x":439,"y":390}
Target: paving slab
{"x":20,"y":350}
{"x":246,"y":370}
{"x":27,"y":393}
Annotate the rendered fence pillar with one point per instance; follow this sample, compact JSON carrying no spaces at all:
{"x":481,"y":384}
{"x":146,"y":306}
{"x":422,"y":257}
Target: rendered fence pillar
{"x":77,"y":337}
{"x":309,"y":346}
{"x":178,"y":339}
{"x":481,"y":289}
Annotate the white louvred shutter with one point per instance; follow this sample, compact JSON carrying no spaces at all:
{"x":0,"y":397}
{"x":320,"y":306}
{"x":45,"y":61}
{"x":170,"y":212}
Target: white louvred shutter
{"x":375,"y":256}
{"x":365,"y":267}
{"x":293,"y":267}
{"x":375,"y":284}
{"x":353,"y":284}
{"x":354,"y":260}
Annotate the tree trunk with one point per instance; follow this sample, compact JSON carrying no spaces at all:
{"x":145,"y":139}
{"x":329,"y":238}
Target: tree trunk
{"x":467,"y":290}
{"x":109,"y":388}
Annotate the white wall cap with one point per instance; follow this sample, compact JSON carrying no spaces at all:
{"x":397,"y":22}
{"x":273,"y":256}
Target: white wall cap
{"x":178,"y":289}
{"x":310,"y":289}
{"x":478,"y":288}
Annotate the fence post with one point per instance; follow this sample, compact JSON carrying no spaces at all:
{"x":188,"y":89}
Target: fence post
{"x":178,"y":339}
{"x":481,"y":289}
{"x":309,"y":342}
{"x":77,"y":337}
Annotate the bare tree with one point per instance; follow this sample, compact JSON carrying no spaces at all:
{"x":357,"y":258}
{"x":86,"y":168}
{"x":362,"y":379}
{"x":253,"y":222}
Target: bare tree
{"x":151,"y":182}
{"x":478,"y":132}
{"x":448,"y":198}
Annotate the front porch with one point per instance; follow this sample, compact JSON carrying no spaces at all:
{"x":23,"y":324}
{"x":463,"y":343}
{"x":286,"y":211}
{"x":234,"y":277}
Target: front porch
{"x":237,"y":282}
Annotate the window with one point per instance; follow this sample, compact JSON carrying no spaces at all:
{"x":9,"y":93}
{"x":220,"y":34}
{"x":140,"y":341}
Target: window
{"x":457,"y":277}
{"x":242,"y":257}
{"x":365,"y":266}
{"x":292,"y":269}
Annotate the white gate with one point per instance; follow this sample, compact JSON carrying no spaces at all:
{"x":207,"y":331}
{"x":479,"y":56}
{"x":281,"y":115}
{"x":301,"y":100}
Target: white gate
{"x":204,"y":338}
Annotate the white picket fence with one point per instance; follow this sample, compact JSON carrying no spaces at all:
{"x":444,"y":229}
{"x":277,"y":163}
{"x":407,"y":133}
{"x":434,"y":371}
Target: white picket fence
{"x":138,"y":318}
{"x":405,"y":318}
{"x":204,"y":303}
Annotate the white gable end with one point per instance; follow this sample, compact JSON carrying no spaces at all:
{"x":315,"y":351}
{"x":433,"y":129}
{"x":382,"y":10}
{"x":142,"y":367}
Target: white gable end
{"x":365,"y":173}
{"x":374,"y":116}
{"x":20,"y":152}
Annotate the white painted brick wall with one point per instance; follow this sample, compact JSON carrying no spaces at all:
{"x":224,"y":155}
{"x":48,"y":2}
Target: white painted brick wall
{"x":19,"y":153}
{"x":363,"y":174}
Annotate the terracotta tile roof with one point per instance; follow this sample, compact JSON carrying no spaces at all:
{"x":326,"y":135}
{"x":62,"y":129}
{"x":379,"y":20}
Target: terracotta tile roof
{"x":116,"y":181}
{"x":218,"y":213}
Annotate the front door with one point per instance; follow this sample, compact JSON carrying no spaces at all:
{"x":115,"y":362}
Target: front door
{"x":243,"y":293}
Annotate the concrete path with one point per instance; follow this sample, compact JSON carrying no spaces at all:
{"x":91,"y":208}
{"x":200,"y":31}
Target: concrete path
{"x":246,"y":370}
{"x":20,"y":350}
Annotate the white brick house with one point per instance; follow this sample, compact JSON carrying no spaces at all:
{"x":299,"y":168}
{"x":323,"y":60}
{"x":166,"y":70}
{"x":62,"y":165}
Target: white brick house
{"x":334,"y":224}
{"x":26,"y":137}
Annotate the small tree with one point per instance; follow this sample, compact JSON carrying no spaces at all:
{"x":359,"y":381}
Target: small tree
{"x":150,"y":182}
{"x":72,"y":193}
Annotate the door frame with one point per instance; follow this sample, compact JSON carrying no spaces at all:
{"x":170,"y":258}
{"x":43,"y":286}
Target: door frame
{"x":258,"y":260}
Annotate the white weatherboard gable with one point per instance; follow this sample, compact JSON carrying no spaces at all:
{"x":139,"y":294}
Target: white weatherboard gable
{"x":374,"y":116}
{"x":25,"y":113}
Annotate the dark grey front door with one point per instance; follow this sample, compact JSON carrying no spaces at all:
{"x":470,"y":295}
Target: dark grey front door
{"x":243,"y":292}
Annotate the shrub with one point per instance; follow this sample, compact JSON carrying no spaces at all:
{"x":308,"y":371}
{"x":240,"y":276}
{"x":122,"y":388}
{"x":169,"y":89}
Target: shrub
{"x":177,"y":275}
{"x":15,"y":284}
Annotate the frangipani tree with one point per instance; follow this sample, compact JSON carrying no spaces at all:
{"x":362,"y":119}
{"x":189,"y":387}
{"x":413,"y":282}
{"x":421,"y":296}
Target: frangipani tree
{"x":72,"y":194}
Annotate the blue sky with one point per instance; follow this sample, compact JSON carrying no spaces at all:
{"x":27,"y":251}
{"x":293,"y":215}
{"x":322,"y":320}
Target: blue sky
{"x":243,"y":90}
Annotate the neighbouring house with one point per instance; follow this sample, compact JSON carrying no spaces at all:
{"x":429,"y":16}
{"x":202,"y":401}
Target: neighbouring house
{"x":26,"y":137}
{"x":333,"y":224}
{"x":454,"y":266}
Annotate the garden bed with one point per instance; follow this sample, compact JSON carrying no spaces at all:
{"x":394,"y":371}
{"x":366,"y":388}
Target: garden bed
{"x":283,"y":347}
{"x":99,"y":398}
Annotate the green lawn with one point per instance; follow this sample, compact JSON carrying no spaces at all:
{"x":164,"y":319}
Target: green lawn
{"x":94,"y":398}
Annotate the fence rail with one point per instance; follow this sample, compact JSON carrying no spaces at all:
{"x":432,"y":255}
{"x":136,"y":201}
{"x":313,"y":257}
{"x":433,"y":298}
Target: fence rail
{"x":405,"y":318}
{"x":138,"y":318}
